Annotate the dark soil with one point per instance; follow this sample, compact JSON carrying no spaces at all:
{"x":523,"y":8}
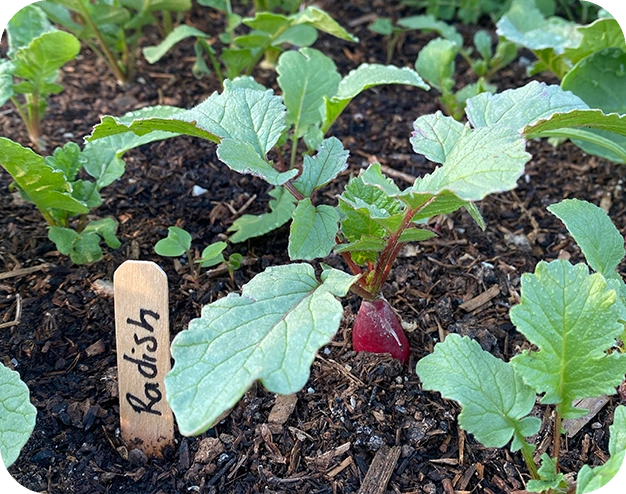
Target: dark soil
{"x":353,"y":405}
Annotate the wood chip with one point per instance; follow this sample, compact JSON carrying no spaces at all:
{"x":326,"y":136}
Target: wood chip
{"x":481,"y":299}
{"x":24,"y":271}
{"x":379,"y":473}
{"x":284,"y":405}
{"x":594,"y":405}
{"x":95,"y":348}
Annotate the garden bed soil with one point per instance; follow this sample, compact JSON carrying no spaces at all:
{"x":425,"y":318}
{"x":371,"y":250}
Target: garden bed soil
{"x":354,"y":408}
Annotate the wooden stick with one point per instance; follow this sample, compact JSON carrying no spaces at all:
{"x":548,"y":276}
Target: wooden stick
{"x":379,"y":473}
{"x":24,"y":271}
{"x":143,"y":355}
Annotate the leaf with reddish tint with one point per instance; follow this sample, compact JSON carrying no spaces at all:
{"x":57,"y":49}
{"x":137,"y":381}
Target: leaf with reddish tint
{"x":378,"y":330}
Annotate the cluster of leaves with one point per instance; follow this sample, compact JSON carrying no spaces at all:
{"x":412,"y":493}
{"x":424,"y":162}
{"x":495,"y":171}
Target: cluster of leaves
{"x":64,"y":199}
{"x":17,"y":415}
{"x":178,"y":242}
{"x":574,"y":319}
{"x":36,"y":53}
{"x":112,"y":28}
{"x":269,"y":33}
{"x":271,"y":331}
{"x":436,"y":61}
{"x":468,"y":11}
{"x":588,"y":59}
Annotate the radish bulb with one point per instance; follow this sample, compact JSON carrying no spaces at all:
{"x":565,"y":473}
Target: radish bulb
{"x":378,"y":330}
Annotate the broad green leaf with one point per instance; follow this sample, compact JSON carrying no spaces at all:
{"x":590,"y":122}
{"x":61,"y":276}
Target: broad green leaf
{"x":299,"y":35}
{"x":214,"y":4}
{"x":495,"y":400}
{"x":331,"y":159}
{"x":6,"y":80}
{"x":572,"y":318}
{"x":82,"y":247}
{"x":525,"y":25}
{"x":483,"y":161}
{"x":576,"y":119}
{"x":267,"y":22}
{"x":306,"y":77}
{"x":429,"y":23}
{"x":603,"y":33}
{"x":516,"y":108}
{"x":599,"y":240}
{"x":177,"y":242}
{"x":435,"y":63}
{"x":63,"y":238}
{"x":39,"y":61}
{"x":364,"y":244}
{"x":366,"y":76}
{"x":237,"y":60}
{"x":383,"y":26}
{"x":435,"y":136}
{"x":373,"y":175}
{"x":617,"y":431}
{"x":45,"y":187}
{"x":599,"y":81}
{"x":550,"y":480}
{"x":313,"y":231}
{"x":27,"y":24}
{"x":212,"y":255}
{"x":316,"y":17}
{"x":270,"y":333}
{"x":249,"y":226}
{"x":105,"y":228}
{"x":482,"y":42}
{"x":67,"y":160}
{"x":415,"y":235}
{"x":17,"y":415}
{"x":154,"y":53}
{"x":243,"y":158}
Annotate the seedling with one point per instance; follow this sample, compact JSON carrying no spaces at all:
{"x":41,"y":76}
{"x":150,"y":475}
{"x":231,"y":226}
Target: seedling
{"x":178,"y":242}
{"x":573,"y":318}
{"x":17,"y":415}
{"x":112,"y":29}
{"x":271,"y":331}
{"x":468,"y":11}
{"x":270,"y":34}
{"x":28,"y":77}
{"x":589,"y":59}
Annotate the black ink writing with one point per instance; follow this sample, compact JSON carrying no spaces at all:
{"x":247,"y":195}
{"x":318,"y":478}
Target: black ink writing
{"x":153,"y":395}
{"x":142,"y":323}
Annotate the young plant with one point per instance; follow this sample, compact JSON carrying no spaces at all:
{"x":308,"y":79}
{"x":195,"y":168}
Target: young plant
{"x":112,"y":28}
{"x":36,"y":53}
{"x":573,"y":318}
{"x":17,"y":415}
{"x":468,"y":11}
{"x":271,"y":331}
{"x":588,"y":59}
{"x":436,"y":63}
{"x":269,"y":35}
{"x":178,"y":242}
{"x":64,"y":199}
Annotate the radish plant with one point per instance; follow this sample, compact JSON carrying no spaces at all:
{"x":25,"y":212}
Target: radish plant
{"x":36,"y":53}
{"x":575,"y":320}
{"x":272,"y":329}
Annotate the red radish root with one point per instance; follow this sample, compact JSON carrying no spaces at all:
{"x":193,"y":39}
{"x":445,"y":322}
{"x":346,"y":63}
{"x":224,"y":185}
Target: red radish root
{"x":378,"y":330}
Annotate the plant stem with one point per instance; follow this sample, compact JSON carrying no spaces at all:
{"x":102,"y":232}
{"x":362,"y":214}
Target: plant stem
{"x":527,"y":454}
{"x":556,"y":447}
{"x":167,"y":22}
{"x":294,"y":192}
{"x":294,"y":151}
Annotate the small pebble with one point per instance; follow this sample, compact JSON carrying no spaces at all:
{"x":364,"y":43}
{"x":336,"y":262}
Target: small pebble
{"x":198,"y":191}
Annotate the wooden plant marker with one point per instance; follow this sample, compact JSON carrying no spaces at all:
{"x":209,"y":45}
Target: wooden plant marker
{"x":143,"y":355}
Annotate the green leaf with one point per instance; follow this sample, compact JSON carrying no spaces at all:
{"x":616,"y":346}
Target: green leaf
{"x":6,"y":80}
{"x":483,"y":161}
{"x":572,"y":318}
{"x":435,"y":63}
{"x":316,"y":17}
{"x":299,"y":35}
{"x":39,"y":61}
{"x":306,"y":77}
{"x":17,"y":415}
{"x":85,"y":247}
{"x":45,"y":187}
{"x":237,"y":60}
{"x":516,"y":108}
{"x":550,"y":480}
{"x":63,"y":238}
{"x":383,"y":26}
{"x":331,"y":159}
{"x":415,"y":235}
{"x":154,"y":53}
{"x":270,"y":333}
{"x":599,"y":81}
{"x":27,"y":24}
{"x":243,"y":158}
{"x":364,"y":244}
{"x":66,"y":160}
{"x":602,"y":33}
{"x":494,"y":398}
{"x":267,"y":22}
{"x":435,"y":136}
{"x":249,"y":226}
{"x":366,"y":76}
{"x":313,"y":231}
{"x":576,"y":119}
{"x":105,"y":228}
{"x":429,"y":23}
{"x":599,"y":240}
{"x":482,"y":42}
{"x":212,"y":255}
{"x":525,"y":25}
{"x":177,"y":242}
